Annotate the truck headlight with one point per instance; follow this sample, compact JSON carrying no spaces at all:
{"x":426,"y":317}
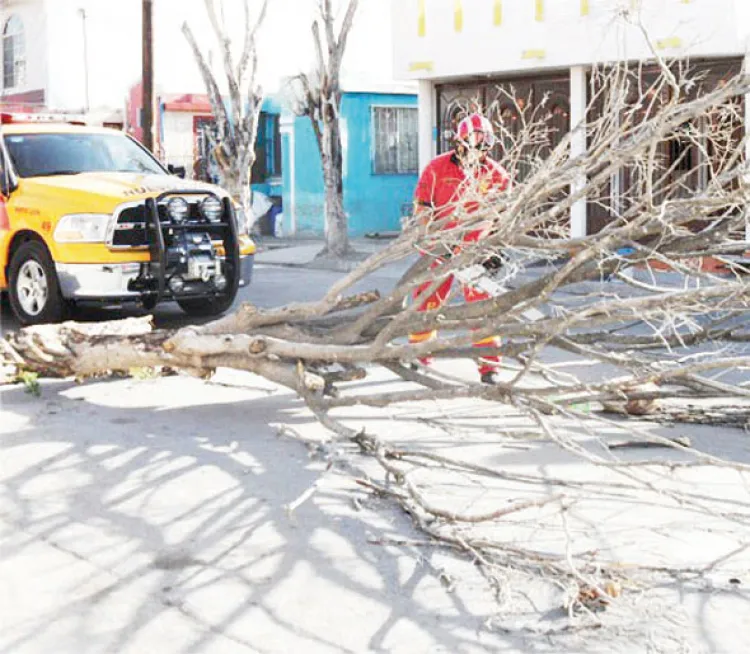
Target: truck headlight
{"x":212,"y":209}
{"x":178,"y":209}
{"x":82,"y":228}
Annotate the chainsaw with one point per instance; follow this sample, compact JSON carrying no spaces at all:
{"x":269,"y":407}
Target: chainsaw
{"x":483,"y":277}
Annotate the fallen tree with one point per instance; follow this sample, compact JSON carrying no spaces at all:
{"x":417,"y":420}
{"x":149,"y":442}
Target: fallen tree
{"x":664,"y":334}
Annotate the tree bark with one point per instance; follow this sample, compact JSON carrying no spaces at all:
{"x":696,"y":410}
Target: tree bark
{"x":321,"y":102}
{"x":337,"y":227}
{"x":236,"y":175}
{"x":238,"y":115}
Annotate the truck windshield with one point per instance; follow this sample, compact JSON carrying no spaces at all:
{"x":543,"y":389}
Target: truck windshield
{"x":40,"y":155}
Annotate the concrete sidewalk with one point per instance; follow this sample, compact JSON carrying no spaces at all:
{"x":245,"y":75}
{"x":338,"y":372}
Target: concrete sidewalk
{"x":303,"y":253}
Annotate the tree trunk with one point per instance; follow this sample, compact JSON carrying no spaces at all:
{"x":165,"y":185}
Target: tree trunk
{"x":244,"y":195}
{"x":236,"y":115}
{"x":322,"y":103}
{"x":336,"y":224}
{"x":235,"y":178}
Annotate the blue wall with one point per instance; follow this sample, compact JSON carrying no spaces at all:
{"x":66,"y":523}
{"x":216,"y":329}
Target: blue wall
{"x":372,"y":202}
{"x":307,"y":181}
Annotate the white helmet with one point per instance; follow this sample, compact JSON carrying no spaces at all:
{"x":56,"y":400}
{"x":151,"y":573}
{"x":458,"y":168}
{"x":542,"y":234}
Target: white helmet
{"x":475,"y":132}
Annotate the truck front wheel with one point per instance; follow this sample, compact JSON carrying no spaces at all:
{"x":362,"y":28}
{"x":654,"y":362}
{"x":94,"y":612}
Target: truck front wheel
{"x":34,"y":291}
{"x":206,"y":307}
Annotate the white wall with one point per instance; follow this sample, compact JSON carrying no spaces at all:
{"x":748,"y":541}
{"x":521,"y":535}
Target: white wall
{"x":562,"y":39}
{"x":33,"y":17}
{"x":178,"y":140}
{"x":66,"y":89}
{"x":114,"y":43}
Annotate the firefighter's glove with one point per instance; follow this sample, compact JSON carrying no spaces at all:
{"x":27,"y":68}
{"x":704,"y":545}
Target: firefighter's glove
{"x":493,"y":263}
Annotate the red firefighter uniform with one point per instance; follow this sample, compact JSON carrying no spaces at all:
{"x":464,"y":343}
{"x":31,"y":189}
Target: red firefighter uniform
{"x":439,"y":190}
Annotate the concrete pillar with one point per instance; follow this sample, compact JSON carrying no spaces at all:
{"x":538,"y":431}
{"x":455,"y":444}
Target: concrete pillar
{"x":286,"y":128}
{"x":427,"y":123}
{"x":578,"y":102}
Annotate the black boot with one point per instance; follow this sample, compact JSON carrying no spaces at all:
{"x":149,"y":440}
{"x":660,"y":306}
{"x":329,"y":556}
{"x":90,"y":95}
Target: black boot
{"x":490,"y":378}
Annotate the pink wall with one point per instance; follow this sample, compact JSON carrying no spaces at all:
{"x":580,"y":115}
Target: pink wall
{"x":132,"y":110}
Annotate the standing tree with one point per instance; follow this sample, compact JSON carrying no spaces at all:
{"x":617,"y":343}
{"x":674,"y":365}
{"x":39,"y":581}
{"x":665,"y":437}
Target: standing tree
{"x":237,"y":118}
{"x":319,"y":97}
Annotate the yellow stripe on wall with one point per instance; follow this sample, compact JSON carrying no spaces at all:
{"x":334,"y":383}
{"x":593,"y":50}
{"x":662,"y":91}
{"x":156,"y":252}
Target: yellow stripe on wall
{"x":458,"y":16}
{"x":539,"y":10}
{"x":421,"y":65}
{"x":585,"y":8}
{"x":497,"y":19}
{"x":533,"y":54}
{"x":669,"y":43}
{"x":422,"y":20}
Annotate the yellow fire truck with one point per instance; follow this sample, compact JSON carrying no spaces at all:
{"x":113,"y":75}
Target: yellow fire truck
{"x":87,"y":215}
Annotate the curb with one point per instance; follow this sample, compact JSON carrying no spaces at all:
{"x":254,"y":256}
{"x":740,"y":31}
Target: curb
{"x":343,"y":266}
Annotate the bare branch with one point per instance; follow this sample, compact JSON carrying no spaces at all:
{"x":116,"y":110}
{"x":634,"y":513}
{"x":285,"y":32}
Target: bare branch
{"x":214,"y":94}
{"x":251,"y":35}
{"x":346,"y":27}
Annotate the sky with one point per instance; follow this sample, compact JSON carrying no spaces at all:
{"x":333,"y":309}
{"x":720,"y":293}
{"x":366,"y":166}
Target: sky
{"x":285,"y":44}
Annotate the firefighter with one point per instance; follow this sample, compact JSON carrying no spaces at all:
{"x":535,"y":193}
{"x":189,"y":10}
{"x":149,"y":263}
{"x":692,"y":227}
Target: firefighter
{"x":441,"y":195}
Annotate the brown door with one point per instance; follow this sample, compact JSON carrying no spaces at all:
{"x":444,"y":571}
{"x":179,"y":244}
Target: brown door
{"x":681,"y":166}
{"x":510,"y":103}
{"x":557,"y":121}
{"x":455,"y":102}
{"x":542,"y":101}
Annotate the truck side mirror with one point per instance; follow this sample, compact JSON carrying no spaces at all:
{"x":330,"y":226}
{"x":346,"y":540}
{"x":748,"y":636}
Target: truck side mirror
{"x":179,"y":171}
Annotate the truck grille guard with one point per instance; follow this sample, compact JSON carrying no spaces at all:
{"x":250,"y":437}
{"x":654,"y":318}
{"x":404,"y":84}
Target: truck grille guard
{"x":154,"y":284}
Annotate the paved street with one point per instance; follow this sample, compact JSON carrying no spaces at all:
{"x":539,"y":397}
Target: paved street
{"x":144,"y":516}
{"x":147,"y":516}
{"x":271,"y":286}
{"x":553,"y":459}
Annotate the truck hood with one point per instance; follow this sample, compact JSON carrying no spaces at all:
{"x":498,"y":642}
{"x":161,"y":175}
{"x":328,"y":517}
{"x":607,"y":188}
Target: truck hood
{"x":119,"y":187}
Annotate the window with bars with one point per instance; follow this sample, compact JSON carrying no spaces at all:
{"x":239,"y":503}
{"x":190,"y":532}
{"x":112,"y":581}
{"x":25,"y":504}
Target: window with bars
{"x":267,"y":149}
{"x":395,"y":140}
{"x":14,"y":54}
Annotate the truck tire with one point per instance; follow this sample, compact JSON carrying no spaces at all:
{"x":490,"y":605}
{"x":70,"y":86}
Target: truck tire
{"x":34,"y":290}
{"x":206,"y":307}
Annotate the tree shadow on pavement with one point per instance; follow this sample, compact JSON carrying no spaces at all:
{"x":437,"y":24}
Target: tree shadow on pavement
{"x":140,"y":516}
{"x":149,"y":516}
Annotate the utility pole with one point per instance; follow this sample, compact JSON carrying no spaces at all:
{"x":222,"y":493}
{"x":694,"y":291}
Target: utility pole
{"x":147,"y":77}
{"x":85,"y":59}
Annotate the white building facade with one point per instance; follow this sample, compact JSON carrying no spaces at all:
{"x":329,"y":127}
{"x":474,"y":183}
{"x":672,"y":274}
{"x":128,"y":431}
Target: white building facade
{"x":23,"y":26}
{"x":468,"y":49}
{"x":47,"y":57}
